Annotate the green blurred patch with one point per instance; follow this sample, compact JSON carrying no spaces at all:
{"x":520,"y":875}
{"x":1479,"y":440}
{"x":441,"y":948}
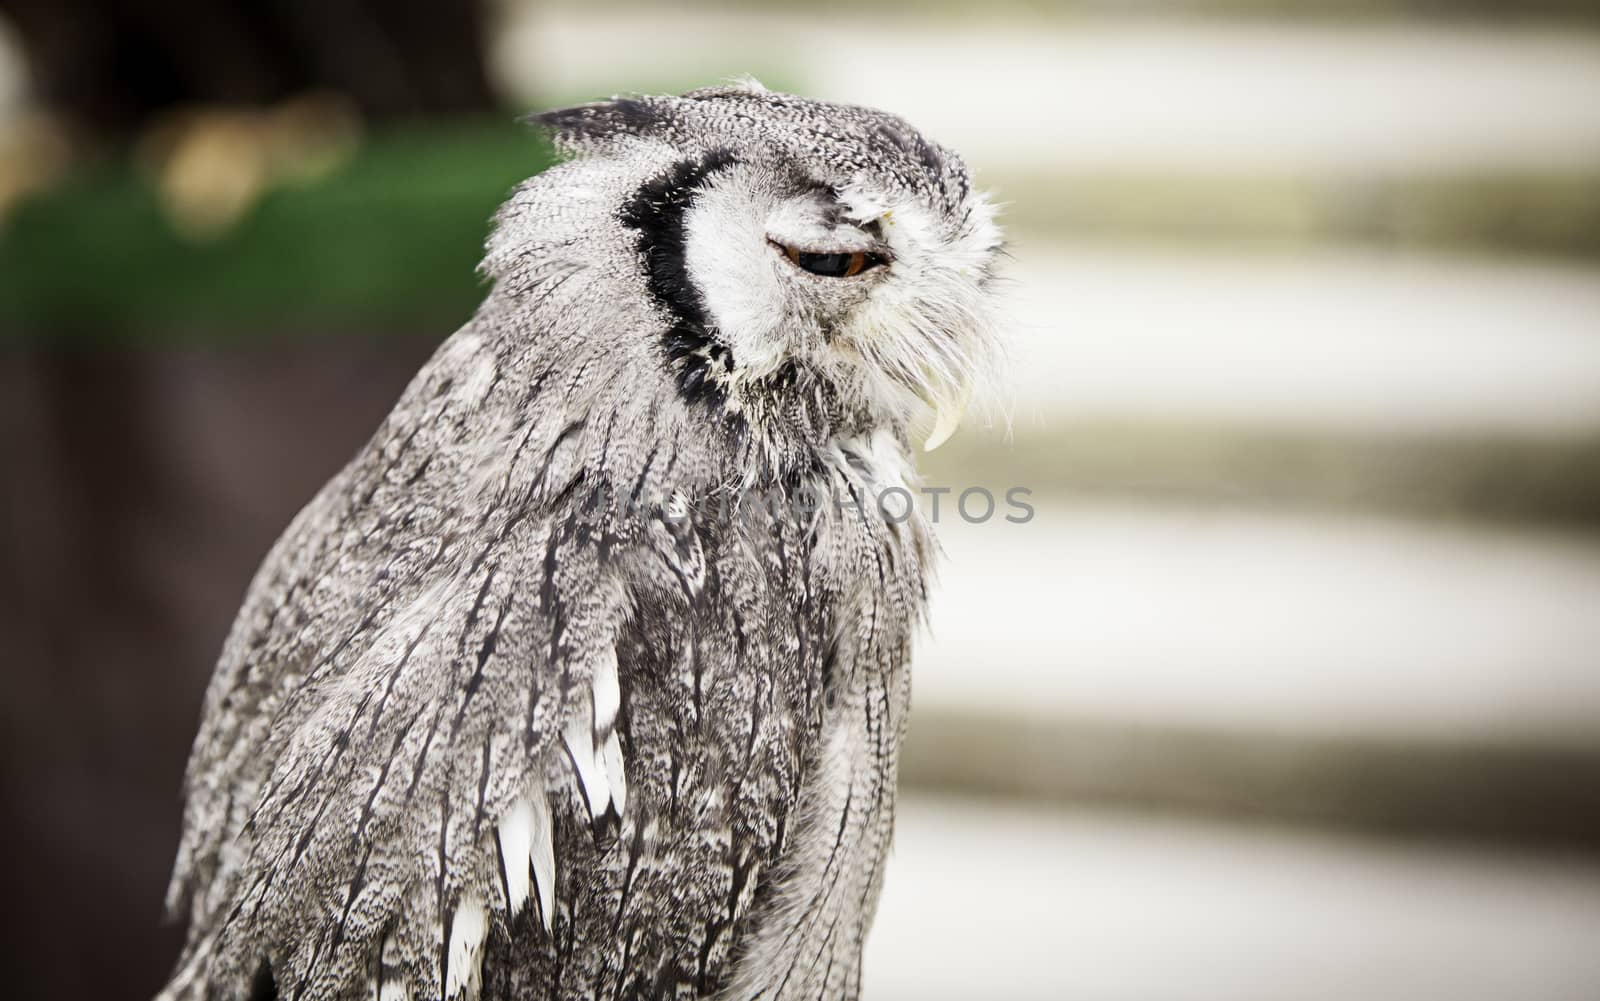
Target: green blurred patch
{"x":1494,"y":477}
{"x":393,"y":235}
{"x":1537,"y":794}
{"x":1554,"y":213}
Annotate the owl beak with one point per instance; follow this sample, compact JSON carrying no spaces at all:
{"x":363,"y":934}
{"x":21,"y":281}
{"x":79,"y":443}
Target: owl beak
{"x":947,"y":416}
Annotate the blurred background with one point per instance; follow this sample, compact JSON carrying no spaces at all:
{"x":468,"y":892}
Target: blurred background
{"x":1290,"y":690}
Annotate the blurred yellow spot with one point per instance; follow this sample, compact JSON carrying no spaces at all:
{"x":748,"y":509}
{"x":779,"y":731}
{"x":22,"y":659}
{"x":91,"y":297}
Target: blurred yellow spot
{"x":211,"y":164}
{"x":34,"y":151}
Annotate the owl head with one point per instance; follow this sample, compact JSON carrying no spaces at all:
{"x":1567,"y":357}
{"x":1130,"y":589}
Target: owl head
{"x":805,"y":268}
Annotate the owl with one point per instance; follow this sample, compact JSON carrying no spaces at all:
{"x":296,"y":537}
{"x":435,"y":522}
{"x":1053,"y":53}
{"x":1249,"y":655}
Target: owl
{"x":587,"y":676}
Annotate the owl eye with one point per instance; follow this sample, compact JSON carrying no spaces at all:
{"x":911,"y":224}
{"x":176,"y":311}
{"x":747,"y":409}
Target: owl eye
{"x":831,"y":265}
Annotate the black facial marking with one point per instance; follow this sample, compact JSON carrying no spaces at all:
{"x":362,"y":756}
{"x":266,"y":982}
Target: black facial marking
{"x":932,"y":160}
{"x":929,"y":157}
{"x":657,"y":213}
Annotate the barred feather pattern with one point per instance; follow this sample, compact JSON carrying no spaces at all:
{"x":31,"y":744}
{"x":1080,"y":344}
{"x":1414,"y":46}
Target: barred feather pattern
{"x":541,"y":696}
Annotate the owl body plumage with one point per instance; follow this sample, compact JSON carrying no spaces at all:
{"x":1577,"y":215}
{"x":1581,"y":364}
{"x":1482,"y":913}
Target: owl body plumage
{"x":587,"y":676}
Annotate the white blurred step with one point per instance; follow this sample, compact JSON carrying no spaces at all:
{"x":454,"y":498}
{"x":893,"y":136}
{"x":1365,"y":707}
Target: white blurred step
{"x":1326,"y":339}
{"x":1061,"y":93}
{"x":989,"y":901}
{"x":1250,"y":622}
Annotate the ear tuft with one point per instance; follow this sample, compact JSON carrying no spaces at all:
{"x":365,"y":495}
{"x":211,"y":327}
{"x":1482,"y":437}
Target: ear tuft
{"x":586,"y":126}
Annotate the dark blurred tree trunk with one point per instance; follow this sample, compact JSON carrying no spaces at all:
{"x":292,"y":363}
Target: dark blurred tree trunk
{"x":90,"y":716}
{"x":110,"y":65}
{"x":141,"y":487}
{"x":141,"y":484}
